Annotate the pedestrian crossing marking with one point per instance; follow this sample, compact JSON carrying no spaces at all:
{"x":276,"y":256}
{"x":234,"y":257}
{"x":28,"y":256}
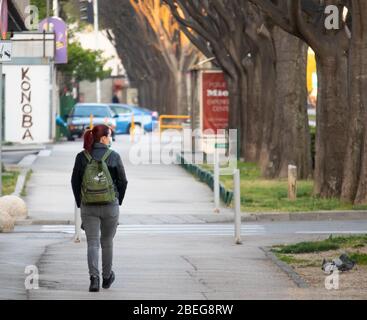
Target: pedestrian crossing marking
{"x":205,"y":229}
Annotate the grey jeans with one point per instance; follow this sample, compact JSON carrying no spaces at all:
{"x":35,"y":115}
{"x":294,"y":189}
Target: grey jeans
{"x":100,"y":224}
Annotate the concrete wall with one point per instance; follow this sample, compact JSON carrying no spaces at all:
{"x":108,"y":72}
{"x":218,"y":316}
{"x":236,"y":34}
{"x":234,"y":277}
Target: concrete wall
{"x":87,"y":91}
{"x":33,"y":45}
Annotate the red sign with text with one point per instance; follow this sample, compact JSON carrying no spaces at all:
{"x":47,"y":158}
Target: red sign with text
{"x":215,"y":101}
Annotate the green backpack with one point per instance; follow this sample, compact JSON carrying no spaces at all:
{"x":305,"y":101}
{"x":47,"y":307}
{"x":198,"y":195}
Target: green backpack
{"x":97,"y":184}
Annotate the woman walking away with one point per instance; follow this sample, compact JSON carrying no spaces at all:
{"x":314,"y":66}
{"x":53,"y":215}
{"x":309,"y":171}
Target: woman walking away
{"x":99,"y":184}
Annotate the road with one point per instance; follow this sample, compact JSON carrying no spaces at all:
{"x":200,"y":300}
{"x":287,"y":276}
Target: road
{"x":267,"y":229}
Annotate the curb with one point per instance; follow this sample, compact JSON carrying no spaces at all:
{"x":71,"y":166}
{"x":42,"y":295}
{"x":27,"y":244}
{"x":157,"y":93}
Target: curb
{"x":25,"y":166}
{"x":229,"y":218}
{"x":227,"y":195}
{"x":297,"y":279}
{"x":16,"y":148}
{"x":206,"y":177}
{"x":30,"y":222}
{"x":21,"y":182}
{"x":310,"y":216}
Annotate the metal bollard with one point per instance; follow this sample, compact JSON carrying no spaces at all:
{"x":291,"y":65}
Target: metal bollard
{"x":78,"y":223}
{"x":216,"y":181}
{"x":91,"y":121}
{"x":132,"y":128}
{"x":237,"y":205}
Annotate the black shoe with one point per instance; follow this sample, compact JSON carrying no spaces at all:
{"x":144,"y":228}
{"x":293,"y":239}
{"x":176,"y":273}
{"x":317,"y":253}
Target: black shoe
{"x":107,"y":282}
{"x":94,"y":284}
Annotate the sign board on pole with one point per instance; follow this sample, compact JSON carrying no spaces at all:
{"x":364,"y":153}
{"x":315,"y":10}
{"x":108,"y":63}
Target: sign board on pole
{"x":215,"y":101}
{"x":58,"y":26}
{"x":214,"y":110}
{"x":5,"y":51}
{"x":221,"y":145}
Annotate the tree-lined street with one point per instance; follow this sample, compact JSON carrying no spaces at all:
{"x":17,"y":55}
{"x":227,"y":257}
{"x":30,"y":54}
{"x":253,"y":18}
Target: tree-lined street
{"x":187,"y":246}
{"x":241,"y":126}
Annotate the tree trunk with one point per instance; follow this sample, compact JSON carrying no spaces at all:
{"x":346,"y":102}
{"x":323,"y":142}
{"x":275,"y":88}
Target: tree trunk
{"x":355,"y":169}
{"x":290,"y":137}
{"x":331,"y":138}
{"x":235,"y":105}
{"x":253,"y":109}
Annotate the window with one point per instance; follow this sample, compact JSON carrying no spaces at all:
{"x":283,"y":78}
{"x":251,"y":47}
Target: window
{"x":121,"y":110}
{"x":86,"y":111}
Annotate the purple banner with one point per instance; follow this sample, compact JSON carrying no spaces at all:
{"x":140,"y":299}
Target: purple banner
{"x":58,"y":26}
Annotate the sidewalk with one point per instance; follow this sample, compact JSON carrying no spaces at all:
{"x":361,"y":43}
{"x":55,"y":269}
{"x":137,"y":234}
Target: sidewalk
{"x":17,"y":251}
{"x":177,"y":267}
{"x":167,"y":267}
{"x":156,"y":193}
{"x":147,"y":265}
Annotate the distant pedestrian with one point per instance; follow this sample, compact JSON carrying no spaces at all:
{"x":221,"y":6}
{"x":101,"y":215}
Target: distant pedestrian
{"x":99,"y":184}
{"x":115,"y":99}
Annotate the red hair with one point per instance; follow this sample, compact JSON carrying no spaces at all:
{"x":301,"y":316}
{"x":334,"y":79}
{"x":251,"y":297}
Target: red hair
{"x":95,"y":135}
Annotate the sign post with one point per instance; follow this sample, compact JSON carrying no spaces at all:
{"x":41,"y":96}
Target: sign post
{"x":5,"y":56}
{"x":217,"y":146}
{"x":216,"y":181}
{"x":237,"y":205}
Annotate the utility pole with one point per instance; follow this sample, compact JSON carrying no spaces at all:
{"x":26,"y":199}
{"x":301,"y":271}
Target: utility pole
{"x":5,"y":56}
{"x":48,"y":8}
{"x":96,"y":31}
{"x":55,"y":8}
{"x":1,"y":129}
{"x":48,"y":14}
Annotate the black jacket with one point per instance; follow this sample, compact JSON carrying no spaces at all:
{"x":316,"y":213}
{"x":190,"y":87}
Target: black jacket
{"x":115,"y":167}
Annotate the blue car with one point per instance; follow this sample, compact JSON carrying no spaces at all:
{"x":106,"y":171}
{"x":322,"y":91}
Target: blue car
{"x":79,"y":118}
{"x":143,"y":118}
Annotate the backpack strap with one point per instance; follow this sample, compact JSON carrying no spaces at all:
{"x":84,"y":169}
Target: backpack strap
{"x":88,"y":156}
{"x":106,"y":155}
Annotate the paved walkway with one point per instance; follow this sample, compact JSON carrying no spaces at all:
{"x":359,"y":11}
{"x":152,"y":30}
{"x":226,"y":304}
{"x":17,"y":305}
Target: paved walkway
{"x":156,"y":193}
{"x":159,"y":262}
{"x":167,"y":267}
{"x":149,"y":264}
{"x":17,"y":251}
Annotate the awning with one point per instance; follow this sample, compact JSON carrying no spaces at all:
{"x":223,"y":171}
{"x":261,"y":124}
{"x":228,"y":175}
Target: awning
{"x":15,"y":22}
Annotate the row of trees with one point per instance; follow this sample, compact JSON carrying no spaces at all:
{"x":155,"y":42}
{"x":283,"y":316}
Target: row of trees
{"x":341,"y":140}
{"x":264,"y":68}
{"x":155,"y":53}
{"x":261,"y":45}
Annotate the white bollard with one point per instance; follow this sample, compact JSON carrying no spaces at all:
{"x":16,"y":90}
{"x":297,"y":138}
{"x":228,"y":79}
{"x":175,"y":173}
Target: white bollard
{"x":292,"y":182}
{"x":237,"y":205}
{"x":78,"y":223}
{"x":216,"y":181}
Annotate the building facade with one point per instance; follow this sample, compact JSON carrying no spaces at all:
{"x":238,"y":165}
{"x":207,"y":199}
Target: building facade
{"x":29,"y":82}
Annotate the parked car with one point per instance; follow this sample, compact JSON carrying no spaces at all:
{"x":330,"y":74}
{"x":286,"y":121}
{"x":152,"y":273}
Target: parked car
{"x":79,"y":118}
{"x":144,"y":119}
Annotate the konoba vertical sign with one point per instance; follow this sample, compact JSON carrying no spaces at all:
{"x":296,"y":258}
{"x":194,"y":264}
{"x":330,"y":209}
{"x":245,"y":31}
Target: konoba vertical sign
{"x":27,"y":103}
